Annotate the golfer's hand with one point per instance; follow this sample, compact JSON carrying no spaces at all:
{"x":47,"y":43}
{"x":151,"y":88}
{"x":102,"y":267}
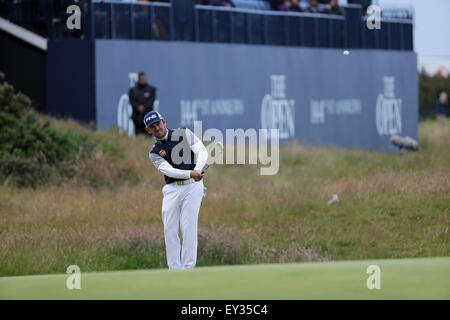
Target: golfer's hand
{"x":197,"y":175}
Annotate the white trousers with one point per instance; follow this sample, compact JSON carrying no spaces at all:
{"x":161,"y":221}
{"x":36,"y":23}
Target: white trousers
{"x":180,"y":208}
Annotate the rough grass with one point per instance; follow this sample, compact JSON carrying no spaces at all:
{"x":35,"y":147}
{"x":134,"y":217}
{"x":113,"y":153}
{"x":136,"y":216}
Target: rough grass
{"x":391,"y":206}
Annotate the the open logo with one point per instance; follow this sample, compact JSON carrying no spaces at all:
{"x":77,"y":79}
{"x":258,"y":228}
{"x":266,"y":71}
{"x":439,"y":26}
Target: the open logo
{"x":277,"y":112}
{"x":124,"y":109}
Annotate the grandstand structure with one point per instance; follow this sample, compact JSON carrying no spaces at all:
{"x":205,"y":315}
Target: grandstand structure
{"x":273,"y":69}
{"x":250,"y":22}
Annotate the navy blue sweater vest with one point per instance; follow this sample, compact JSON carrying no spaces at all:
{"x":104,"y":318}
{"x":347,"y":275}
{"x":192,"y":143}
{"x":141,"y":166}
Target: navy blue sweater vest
{"x":164,"y":149}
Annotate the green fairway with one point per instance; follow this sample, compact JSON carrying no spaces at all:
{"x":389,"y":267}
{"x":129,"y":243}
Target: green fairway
{"x":424,"y":278}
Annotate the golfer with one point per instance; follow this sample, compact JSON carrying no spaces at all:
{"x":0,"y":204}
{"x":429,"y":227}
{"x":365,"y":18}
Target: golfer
{"x":180,"y":156}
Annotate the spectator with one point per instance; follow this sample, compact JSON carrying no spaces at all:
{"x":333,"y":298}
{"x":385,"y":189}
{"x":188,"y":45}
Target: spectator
{"x":286,"y":6}
{"x":223,"y":3}
{"x":334,"y":7}
{"x":296,"y":6}
{"x":142,"y":96}
{"x":275,"y":4}
{"x":313,"y":6}
{"x":364,"y":3}
{"x":440,"y":108}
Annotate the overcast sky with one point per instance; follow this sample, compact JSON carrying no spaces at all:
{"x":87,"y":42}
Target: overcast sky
{"x":431,"y":26}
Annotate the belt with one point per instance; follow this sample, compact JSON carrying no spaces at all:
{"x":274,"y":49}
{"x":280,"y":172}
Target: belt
{"x":183,"y":182}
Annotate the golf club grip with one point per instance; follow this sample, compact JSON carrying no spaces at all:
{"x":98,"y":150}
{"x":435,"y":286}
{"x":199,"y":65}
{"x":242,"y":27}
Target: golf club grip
{"x":205,"y":168}
{"x":219,"y":153}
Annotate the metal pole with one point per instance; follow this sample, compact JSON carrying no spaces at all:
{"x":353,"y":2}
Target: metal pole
{"x":231,"y":20}
{"x":286,"y":30}
{"x":402,"y":33}
{"x":265,"y":29}
{"x":132,"y":31}
{"x":388,"y":34}
{"x":364,"y":36}
{"x":214,"y":24}
{"x":172,"y":23}
{"x":196,"y":25}
{"x":51,"y":14}
{"x":330,"y":33}
{"x":302,"y":31}
{"x":316,"y":32}
{"x":112,"y":21}
{"x":92,"y":20}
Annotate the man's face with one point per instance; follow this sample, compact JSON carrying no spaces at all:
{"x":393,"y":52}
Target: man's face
{"x":142,"y":79}
{"x":158,"y":129}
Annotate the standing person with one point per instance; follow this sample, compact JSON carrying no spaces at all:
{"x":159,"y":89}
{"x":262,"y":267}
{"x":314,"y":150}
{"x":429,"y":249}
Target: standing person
{"x":184,"y":188}
{"x":334,"y":7}
{"x":286,"y":6}
{"x":142,"y":96}
{"x":440,"y":108}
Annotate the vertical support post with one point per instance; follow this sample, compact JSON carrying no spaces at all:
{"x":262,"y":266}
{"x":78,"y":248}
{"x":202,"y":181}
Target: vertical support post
{"x":389,"y":36}
{"x":152,"y":20}
{"x":363,"y":35}
{"x":402,"y":35}
{"x":196,"y":25}
{"x":183,"y":20}
{"x":286,"y":30}
{"x":51,"y":15}
{"x":231,"y":20}
{"x":112,"y":20}
{"x":330,"y":33}
{"x":132,"y":26}
{"x":265,"y":29}
{"x":316,"y":32}
{"x":302,"y":31}
{"x":352,"y":26}
{"x":247,"y":28}
{"x":214,"y":25}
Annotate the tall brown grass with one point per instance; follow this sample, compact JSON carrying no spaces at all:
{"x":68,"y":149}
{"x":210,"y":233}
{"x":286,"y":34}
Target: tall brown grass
{"x":108,"y":216}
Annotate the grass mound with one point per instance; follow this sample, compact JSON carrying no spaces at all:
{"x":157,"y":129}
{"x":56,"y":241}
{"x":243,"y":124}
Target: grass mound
{"x":35,"y":152}
{"x":105,"y":212}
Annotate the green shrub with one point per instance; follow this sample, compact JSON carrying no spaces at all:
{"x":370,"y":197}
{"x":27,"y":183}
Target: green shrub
{"x":23,"y":172}
{"x":34,"y":152}
{"x":28,"y":147}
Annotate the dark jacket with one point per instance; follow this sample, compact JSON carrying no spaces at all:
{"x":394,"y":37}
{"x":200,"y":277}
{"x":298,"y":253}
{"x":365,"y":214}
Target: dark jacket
{"x":222,"y":3}
{"x":164,"y":150}
{"x":440,"y":108}
{"x":334,"y":9}
{"x":142,"y":95}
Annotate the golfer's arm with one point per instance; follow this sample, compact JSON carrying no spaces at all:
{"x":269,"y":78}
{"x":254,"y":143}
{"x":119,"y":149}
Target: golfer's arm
{"x":163,"y":166}
{"x":201,"y":154}
{"x":199,"y":149}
